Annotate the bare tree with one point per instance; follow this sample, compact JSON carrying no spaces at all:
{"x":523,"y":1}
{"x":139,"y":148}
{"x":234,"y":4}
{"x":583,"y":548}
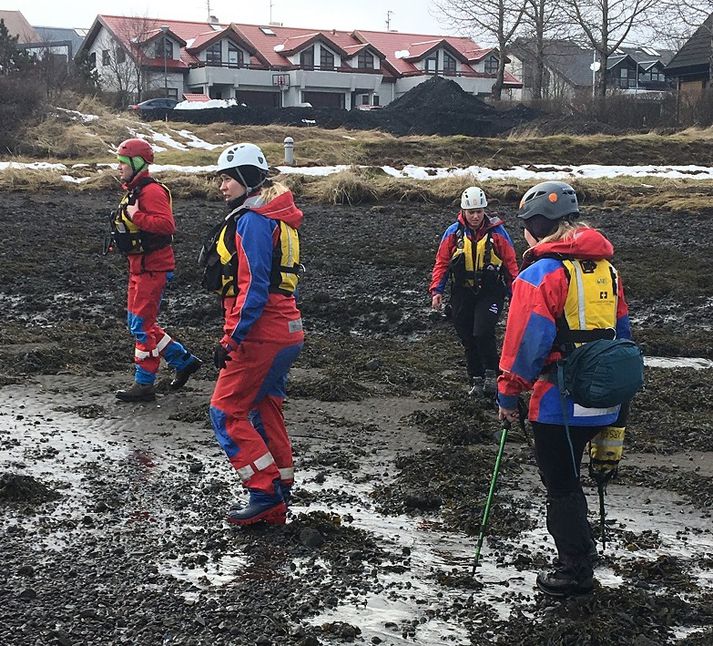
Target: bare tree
{"x":497,"y":18}
{"x":606,"y":24}
{"x":543,"y":20}
{"x":124,"y":58}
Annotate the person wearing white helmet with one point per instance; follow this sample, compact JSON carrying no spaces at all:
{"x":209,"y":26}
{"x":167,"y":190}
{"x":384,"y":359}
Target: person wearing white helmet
{"x":477,"y":258}
{"x":252,"y":261}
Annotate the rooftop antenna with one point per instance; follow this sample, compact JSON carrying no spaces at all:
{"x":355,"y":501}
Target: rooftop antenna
{"x":208,"y":7}
{"x":270,"y":11}
{"x":388,"y":19}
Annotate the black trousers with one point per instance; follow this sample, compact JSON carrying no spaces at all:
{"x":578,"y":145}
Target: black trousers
{"x":475,"y":316}
{"x":566,"y":504}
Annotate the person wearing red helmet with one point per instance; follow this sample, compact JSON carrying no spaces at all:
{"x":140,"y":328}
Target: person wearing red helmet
{"x":142,"y":229}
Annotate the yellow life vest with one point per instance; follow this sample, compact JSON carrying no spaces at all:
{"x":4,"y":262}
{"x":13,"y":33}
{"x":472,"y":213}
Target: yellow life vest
{"x":127,"y":237}
{"x":219,"y":259}
{"x":473,"y":264}
{"x":590,"y":310}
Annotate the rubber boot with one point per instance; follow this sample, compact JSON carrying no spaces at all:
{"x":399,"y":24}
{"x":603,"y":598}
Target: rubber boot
{"x":286,"y":489}
{"x":137,"y":393}
{"x":182,"y":376}
{"x":261,"y":506}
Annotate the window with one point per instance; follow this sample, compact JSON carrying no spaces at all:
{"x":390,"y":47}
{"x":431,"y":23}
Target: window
{"x":106,"y":59}
{"x":365,"y":99}
{"x":430,"y":65}
{"x":491,"y":65}
{"x":164,"y":45}
{"x":214,"y":54}
{"x":307,"y":59}
{"x":93,"y":60}
{"x":376,"y":100}
{"x":235,"y":55}
{"x":449,"y":64}
{"x":120,"y":55}
{"x":326,"y":59}
{"x":365,"y":61}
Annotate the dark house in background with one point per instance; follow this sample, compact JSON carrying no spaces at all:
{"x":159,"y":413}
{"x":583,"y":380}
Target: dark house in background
{"x":568,"y":73}
{"x":690,"y":68}
{"x":639,"y":68}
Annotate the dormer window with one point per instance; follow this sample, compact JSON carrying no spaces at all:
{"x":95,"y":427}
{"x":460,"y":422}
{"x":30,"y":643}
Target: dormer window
{"x":491,"y":65}
{"x":214,"y":54}
{"x":235,"y":55}
{"x":365,"y":61}
{"x":449,"y":64}
{"x":164,"y":45}
{"x":326,"y":59}
{"x":307,"y":59}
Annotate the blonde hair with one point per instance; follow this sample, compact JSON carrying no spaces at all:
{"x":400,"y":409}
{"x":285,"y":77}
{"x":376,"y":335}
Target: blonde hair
{"x":271,"y":190}
{"x":564,"y":231}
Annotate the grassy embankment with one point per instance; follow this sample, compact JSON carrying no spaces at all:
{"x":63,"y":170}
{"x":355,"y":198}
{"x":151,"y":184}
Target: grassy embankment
{"x":59,"y":138}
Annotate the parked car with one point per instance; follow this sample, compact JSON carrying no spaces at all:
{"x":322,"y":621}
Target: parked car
{"x":160,"y":103}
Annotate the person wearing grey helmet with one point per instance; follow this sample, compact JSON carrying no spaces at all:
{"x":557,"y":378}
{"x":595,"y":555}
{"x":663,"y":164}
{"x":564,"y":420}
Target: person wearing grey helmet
{"x":477,"y":258}
{"x":567,"y":293}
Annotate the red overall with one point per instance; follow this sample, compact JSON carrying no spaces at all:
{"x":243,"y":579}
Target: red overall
{"x":263,"y":329}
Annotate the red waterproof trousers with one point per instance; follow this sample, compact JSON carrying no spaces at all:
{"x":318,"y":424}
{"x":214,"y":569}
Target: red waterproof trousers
{"x":246,"y":412}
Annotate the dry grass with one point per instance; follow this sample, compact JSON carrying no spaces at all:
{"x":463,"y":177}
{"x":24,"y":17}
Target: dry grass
{"x":371,"y":186}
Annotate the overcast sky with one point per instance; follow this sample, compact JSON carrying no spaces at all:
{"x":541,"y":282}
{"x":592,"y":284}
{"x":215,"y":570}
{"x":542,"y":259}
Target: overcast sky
{"x":416,"y":16}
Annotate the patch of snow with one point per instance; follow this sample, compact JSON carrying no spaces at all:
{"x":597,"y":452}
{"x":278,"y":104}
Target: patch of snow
{"x":75,"y":180}
{"x":204,"y":105}
{"x":76,"y":115}
{"x":196,"y":142}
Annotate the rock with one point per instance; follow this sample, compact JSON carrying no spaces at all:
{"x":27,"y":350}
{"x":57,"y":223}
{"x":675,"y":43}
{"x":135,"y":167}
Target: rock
{"x":310,"y":537}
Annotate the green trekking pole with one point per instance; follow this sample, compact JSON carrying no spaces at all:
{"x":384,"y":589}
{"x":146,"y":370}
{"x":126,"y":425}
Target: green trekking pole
{"x":488,"y":502}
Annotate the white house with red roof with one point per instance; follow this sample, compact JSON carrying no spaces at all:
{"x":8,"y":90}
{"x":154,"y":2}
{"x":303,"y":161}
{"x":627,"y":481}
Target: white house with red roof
{"x":280,"y":66}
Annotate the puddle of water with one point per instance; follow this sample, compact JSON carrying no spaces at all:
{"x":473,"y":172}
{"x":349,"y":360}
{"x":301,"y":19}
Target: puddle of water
{"x":210,"y":574}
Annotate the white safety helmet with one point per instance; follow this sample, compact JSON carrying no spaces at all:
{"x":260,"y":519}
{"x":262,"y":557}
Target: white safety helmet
{"x":473,"y":198}
{"x":246,"y":163}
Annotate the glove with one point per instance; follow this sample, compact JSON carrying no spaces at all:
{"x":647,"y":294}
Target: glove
{"x":221,"y":356}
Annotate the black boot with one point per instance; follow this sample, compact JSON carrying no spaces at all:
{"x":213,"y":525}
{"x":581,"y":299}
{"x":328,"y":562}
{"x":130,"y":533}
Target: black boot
{"x":137,"y":393}
{"x":181,"y":376}
{"x":566,"y":580}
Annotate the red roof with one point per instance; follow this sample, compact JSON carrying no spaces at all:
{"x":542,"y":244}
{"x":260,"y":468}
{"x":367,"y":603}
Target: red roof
{"x":263,"y":41}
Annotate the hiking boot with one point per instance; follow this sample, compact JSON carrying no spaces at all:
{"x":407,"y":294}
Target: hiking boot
{"x":476,"y":387}
{"x":490,"y":384}
{"x":261,"y":506}
{"x":564,"y":582}
{"x":181,"y":376}
{"x":137,"y":393}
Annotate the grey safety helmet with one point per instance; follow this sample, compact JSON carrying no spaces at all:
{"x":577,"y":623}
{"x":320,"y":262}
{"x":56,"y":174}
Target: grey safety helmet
{"x":545,"y":204}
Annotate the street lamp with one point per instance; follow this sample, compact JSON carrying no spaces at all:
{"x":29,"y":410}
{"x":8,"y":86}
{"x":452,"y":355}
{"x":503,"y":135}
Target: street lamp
{"x":164,"y":31}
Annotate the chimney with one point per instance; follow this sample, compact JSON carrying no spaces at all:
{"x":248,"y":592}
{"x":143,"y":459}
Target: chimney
{"x":213,"y":20}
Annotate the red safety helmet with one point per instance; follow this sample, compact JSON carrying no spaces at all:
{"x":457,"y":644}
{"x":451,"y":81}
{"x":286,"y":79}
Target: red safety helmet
{"x":136,"y":148}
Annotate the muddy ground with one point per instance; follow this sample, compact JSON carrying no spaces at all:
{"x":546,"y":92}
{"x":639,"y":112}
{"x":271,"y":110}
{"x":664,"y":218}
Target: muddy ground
{"x":112,"y":515}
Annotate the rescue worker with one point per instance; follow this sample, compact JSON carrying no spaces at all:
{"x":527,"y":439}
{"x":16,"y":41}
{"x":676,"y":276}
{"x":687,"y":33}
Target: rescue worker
{"x":142,"y":229}
{"x":478,"y":256}
{"x":566,"y":286}
{"x":252,"y":262}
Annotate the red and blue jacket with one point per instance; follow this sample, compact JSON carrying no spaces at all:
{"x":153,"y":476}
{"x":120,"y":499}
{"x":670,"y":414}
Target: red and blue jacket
{"x":502,"y":247}
{"x":529,"y":349}
{"x":256,"y":312}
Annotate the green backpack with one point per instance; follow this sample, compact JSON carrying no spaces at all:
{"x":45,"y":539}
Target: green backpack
{"x":602,"y":373}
